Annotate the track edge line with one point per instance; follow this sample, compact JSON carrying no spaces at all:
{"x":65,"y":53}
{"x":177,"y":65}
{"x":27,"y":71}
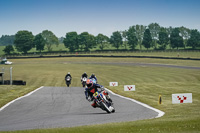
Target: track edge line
{"x":2,"y":108}
{"x":160,"y":113}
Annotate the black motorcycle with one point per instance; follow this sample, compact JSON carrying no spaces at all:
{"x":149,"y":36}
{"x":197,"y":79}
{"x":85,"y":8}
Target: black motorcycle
{"x":84,"y":79}
{"x":68,"y":81}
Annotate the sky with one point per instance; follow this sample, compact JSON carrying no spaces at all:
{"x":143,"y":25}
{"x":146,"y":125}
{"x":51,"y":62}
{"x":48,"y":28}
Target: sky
{"x":95,"y":16}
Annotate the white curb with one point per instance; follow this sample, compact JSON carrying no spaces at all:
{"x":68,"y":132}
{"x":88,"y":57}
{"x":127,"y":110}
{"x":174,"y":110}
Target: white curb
{"x":160,"y":113}
{"x":20,"y":98}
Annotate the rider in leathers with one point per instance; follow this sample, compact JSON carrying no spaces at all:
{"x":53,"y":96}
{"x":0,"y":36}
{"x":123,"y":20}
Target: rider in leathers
{"x":93,"y":76}
{"x":84,"y":75}
{"x":68,"y":74}
{"x":91,"y":89}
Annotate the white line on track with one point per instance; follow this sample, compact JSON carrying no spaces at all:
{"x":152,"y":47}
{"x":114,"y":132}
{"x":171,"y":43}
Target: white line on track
{"x":160,"y":113}
{"x":20,"y":98}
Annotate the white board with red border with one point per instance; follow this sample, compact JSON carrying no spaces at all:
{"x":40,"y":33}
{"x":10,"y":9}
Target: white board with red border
{"x":113,"y":83}
{"x":129,"y":87}
{"x":182,"y":98}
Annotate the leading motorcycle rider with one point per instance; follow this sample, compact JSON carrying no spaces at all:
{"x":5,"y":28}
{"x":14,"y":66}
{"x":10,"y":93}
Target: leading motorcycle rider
{"x":91,"y":89}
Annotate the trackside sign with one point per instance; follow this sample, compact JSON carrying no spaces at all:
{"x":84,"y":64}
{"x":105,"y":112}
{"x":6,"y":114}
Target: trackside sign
{"x":113,"y":83}
{"x":129,"y":87}
{"x":182,"y":98}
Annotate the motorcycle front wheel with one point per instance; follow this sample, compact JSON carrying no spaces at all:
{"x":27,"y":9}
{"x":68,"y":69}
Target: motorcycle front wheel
{"x":105,"y":107}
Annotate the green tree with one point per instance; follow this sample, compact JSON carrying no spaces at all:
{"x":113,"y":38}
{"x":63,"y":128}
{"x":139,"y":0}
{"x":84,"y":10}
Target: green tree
{"x":71,"y":41}
{"x":39,"y":42}
{"x":50,"y":39}
{"x":7,"y":40}
{"x":132,"y":39}
{"x":24,"y":41}
{"x":169,"y":30}
{"x":185,"y":34}
{"x":154,"y":29}
{"x":175,"y":39}
{"x":194,"y":40}
{"x":87,"y":41}
{"x":125,"y":38}
{"x":140,"y":33}
{"x":147,"y":39}
{"x":163,"y":39}
{"x":102,"y":40}
{"x":8,"y":49}
{"x":116,"y":39}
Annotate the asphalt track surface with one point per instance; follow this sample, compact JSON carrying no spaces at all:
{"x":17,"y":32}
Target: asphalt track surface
{"x":55,"y":107}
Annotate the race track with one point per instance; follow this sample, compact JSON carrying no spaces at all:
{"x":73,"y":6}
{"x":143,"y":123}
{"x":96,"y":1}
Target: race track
{"x":52,"y":107}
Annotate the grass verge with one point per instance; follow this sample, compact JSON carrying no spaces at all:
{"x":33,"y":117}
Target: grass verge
{"x":150,"y":82}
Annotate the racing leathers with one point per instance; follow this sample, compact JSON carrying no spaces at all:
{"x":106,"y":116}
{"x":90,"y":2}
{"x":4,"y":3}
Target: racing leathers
{"x":93,"y":77}
{"x":68,"y":75}
{"x":83,"y":75}
{"x":90,"y":91}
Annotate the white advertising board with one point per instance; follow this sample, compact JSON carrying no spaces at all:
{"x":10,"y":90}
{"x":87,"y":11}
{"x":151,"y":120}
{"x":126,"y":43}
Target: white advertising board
{"x":129,"y":87}
{"x":182,"y":98}
{"x":113,"y":83}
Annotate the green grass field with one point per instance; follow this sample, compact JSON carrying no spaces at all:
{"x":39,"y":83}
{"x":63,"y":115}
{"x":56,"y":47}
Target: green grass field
{"x":150,"y":82}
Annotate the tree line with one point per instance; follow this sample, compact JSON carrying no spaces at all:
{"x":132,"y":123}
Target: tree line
{"x":151,"y":36}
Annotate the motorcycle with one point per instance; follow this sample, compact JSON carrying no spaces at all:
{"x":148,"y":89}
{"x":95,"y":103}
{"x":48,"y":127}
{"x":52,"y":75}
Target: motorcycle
{"x":103,"y":102}
{"x":84,"y":79}
{"x":68,"y":81}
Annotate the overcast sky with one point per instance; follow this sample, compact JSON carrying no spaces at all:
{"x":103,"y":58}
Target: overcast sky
{"x":95,"y":16}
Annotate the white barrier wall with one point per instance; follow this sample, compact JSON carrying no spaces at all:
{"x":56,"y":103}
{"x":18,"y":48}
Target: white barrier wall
{"x":113,"y":83}
{"x":129,"y":87}
{"x":182,"y":98}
